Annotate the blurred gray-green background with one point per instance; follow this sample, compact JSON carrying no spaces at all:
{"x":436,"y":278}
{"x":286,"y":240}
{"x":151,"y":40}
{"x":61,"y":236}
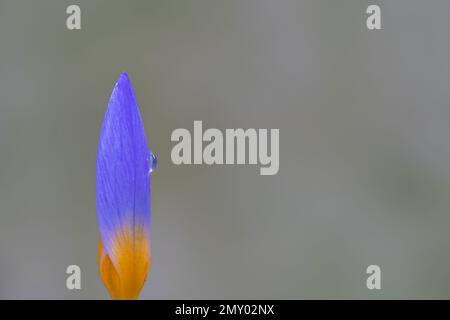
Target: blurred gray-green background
{"x":364,"y":121}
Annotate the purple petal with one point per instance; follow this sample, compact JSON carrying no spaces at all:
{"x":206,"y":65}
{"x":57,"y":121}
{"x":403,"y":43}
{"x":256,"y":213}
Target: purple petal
{"x":123,"y":168}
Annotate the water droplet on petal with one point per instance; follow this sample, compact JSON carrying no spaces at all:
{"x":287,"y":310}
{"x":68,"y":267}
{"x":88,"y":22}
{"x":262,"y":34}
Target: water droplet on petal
{"x":153,"y":161}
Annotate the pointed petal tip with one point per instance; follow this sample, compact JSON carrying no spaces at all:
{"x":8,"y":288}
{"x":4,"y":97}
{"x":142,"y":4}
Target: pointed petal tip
{"x":122,"y":98}
{"x":123,"y":81}
{"x":124,"y":76}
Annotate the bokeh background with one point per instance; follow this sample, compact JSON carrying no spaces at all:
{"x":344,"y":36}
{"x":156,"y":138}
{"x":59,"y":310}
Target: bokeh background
{"x":364,"y":145}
